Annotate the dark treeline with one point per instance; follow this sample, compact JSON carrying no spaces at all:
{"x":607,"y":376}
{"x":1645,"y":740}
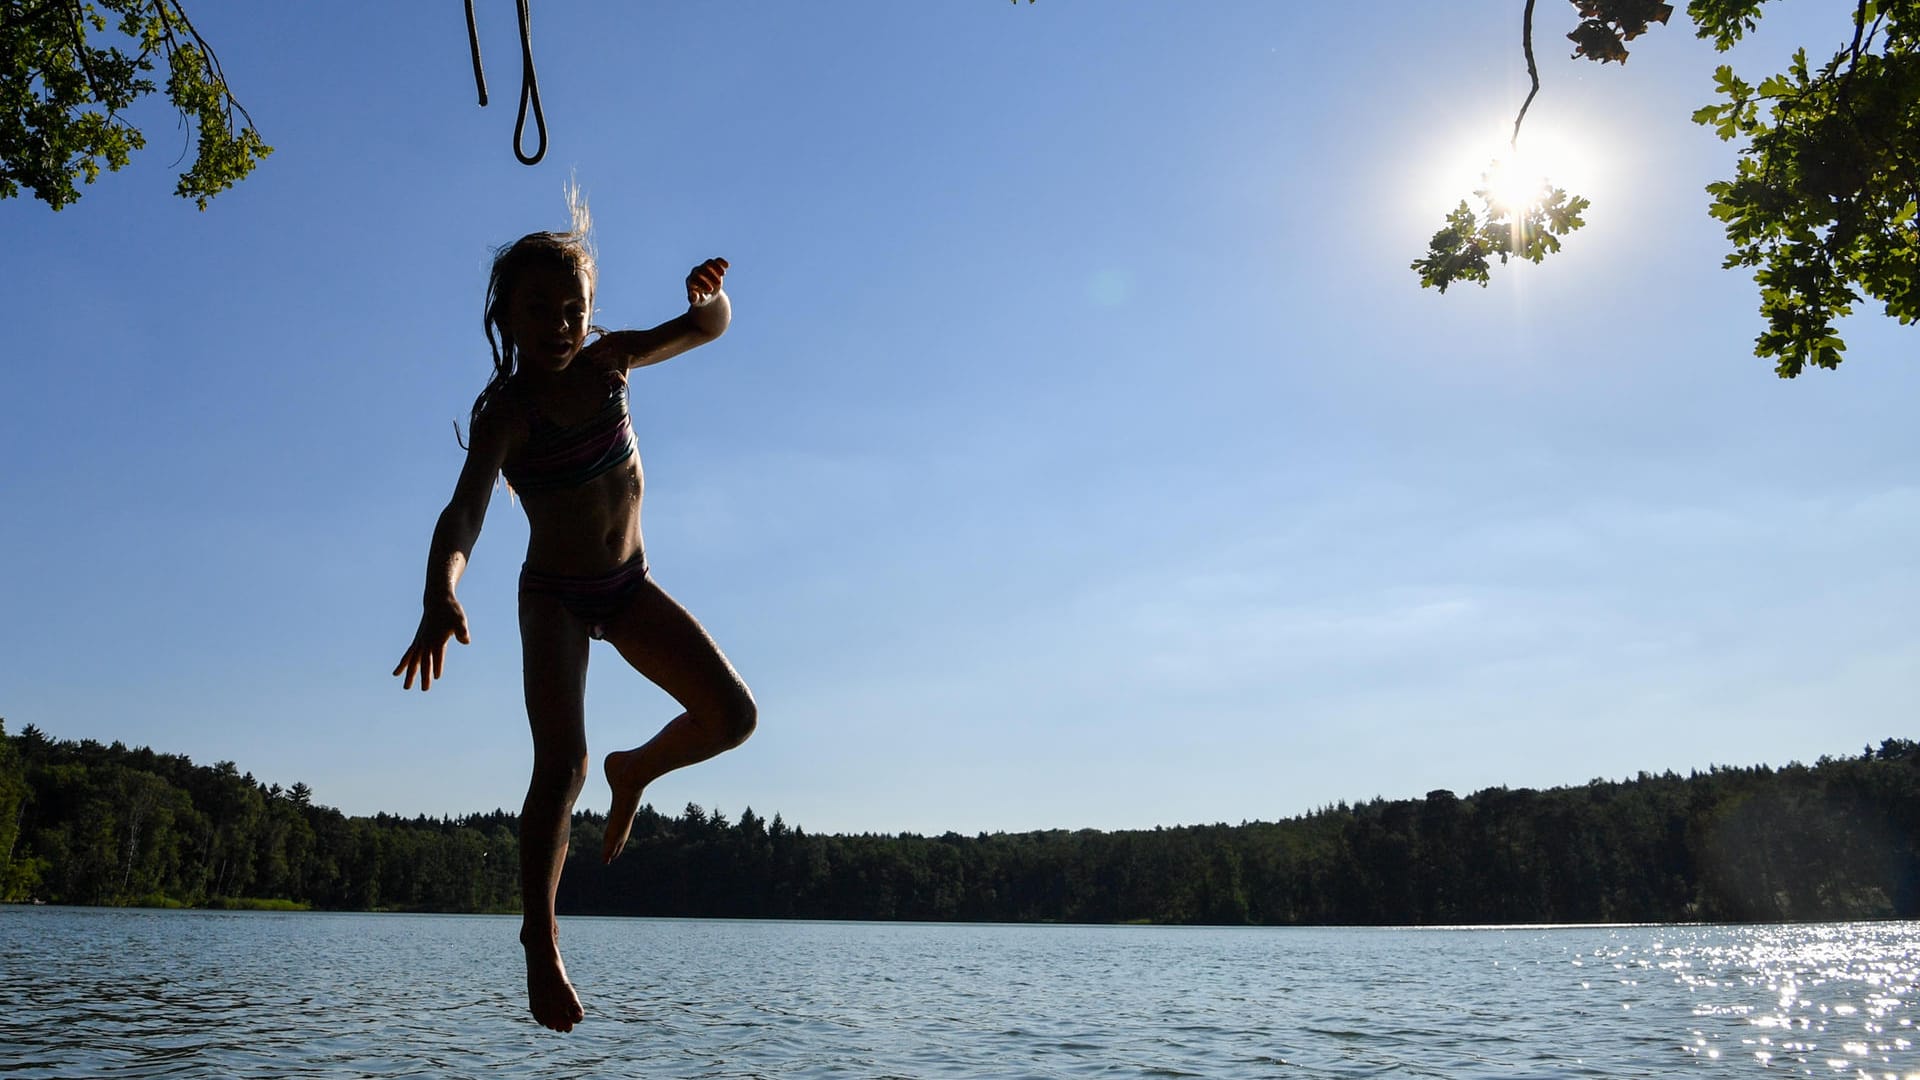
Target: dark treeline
{"x":91,"y":824}
{"x":82,"y":823}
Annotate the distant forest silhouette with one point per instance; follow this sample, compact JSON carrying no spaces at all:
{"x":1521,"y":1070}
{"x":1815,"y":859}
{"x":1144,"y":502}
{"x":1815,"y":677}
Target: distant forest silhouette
{"x":85,"y":823}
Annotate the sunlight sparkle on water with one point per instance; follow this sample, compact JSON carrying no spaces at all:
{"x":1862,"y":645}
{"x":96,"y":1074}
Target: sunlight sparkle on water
{"x":1820,"y":983}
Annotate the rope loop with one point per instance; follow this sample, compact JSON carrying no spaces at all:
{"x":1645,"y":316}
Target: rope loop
{"x":529,"y":92}
{"x":529,"y":84}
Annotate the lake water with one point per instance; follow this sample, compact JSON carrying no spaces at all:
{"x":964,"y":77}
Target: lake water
{"x":102,"y":993}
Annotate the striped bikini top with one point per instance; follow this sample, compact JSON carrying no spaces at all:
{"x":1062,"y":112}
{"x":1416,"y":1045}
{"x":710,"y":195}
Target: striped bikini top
{"x":557,"y":457}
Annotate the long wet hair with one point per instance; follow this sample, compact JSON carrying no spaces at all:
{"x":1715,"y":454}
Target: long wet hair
{"x":570,"y":251}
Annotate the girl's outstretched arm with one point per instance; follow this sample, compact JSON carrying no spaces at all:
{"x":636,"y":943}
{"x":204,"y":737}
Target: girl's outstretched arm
{"x":454,"y":535}
{"x":708,"y":313}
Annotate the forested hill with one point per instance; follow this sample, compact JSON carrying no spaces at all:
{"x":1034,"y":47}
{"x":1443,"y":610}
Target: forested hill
{"x":85,"y":823}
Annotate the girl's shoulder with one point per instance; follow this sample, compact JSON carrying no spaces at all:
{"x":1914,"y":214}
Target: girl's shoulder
{"x":505,"y":415}
{"x":604,"y":357}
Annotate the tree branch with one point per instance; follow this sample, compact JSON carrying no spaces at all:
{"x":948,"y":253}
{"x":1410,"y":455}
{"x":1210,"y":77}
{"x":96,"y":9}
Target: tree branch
{"x":212,"y":61}
{"x":79,"y":34}
{"x":1533,"y":72}
{"x":1859,"y":28}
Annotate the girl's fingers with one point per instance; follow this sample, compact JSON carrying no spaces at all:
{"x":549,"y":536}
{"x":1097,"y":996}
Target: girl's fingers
{"x":709,"y":273}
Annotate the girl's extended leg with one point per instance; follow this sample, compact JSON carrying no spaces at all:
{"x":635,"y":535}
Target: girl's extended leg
{"x":553,"y":648}
{"x":667,"y":645}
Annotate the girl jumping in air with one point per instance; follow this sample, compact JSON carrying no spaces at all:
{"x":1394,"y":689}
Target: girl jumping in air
{"x":554,"y":421}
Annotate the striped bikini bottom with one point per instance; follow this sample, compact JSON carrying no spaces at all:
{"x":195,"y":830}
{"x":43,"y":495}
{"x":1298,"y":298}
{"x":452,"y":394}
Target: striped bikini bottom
{"x":593,"y":600}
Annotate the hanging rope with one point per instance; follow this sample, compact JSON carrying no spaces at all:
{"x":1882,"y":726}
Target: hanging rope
{"x":473,"y":46}
{"x":529,"y":91}
{"x":529,"y":84}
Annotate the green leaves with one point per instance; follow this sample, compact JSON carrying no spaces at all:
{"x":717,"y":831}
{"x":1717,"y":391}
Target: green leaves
{"x":1822,"y":201}
{"x":1461,"y":250}
{"x":1457,"y":252}
{"x":61,"y":96}
{"x":224,"y":155}
{"x":1605,"y":25}
{"x":1724,"y":22}
{"x":1740,"y":112}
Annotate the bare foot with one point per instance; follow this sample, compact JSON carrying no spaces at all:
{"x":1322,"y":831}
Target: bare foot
{"x":550,"y":996}
{"x":627,"y":787}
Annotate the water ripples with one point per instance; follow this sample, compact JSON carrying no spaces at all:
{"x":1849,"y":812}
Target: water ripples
{"x":139,"y":994}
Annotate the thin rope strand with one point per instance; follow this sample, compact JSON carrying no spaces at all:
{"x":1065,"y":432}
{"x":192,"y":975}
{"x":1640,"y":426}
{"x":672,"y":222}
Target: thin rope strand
{"x":473,"y":46}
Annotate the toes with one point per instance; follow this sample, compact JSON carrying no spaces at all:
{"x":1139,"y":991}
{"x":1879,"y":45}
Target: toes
{"x":560,"y":1016}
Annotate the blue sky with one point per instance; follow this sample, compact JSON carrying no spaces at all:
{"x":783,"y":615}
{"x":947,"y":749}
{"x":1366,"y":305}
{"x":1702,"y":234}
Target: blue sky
{"x":1083,"y":453}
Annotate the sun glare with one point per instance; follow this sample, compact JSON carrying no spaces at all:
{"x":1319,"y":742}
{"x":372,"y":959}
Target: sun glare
{"x":1516,"y":183}
{"x":1514,"y":178}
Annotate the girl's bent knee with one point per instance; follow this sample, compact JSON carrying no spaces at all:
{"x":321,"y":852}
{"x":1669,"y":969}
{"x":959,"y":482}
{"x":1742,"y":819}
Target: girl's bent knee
{"x":741,"y":717}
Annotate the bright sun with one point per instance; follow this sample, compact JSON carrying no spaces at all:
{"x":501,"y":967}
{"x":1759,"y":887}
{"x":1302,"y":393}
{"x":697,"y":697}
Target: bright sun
{"x":1515,"y":179}
{"x":1516,"y":182}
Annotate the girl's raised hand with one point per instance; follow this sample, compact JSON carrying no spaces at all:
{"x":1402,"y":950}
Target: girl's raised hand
{"x":428,"y":653}
{"x":704,"y":280}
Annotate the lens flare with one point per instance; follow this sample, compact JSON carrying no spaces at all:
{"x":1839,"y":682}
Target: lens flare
{"x":1515,"y":184}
